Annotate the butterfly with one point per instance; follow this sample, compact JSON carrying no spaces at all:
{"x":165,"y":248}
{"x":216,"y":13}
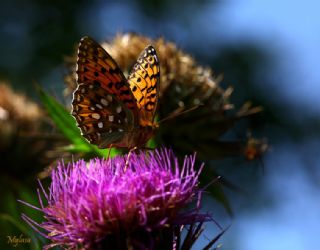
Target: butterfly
{"x":111,"y":110}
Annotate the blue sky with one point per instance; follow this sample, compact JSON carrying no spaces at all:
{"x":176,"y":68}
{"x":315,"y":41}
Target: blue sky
{"x":292,"y":28}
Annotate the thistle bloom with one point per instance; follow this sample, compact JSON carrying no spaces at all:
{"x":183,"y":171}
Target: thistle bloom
{"x":127,"y":202}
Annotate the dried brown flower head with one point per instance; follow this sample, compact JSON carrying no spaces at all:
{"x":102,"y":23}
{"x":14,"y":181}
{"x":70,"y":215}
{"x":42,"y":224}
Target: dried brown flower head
{"x":17,"y":114}
{"x":23,"y":133}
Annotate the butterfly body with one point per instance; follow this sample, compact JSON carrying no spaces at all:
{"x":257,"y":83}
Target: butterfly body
{"x":111,"y":110}
{"x":136,"y":137}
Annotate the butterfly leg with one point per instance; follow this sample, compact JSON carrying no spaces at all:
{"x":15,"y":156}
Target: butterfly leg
{"x":128,"y":157}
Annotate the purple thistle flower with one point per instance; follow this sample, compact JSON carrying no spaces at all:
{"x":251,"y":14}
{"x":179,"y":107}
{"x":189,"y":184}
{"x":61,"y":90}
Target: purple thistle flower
{"x":99,"y":205}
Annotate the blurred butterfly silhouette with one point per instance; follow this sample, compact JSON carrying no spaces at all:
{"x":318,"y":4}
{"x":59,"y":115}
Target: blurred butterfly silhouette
{"x":111,"y":110}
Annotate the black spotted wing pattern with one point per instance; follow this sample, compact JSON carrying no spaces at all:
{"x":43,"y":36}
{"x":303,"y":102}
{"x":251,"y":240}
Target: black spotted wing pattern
{"x":144,"y":83}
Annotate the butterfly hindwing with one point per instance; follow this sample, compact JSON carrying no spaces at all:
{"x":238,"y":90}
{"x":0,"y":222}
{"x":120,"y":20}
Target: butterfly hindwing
{"x":144,"y":84}
{"x":101,"y":117}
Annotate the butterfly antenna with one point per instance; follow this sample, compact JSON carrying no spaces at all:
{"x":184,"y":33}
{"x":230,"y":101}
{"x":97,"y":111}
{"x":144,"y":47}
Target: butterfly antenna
{"x":176,"y":114}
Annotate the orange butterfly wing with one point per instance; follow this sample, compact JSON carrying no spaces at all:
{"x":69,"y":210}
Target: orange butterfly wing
{"x":144,"y":83}
{"x":103,"y":104}
{"x":96,"y":66}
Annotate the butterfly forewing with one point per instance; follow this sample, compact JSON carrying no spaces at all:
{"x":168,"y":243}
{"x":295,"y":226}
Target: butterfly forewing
{"x":144,"y":84}
{"x":103,"y":104}
{"x":96,"y":66}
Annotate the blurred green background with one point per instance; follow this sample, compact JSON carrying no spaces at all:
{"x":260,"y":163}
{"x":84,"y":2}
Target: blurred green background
{"x":267,"y":50}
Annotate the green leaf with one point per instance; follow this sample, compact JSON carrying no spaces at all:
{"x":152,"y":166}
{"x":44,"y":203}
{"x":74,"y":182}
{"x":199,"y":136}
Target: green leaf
{"x":18,"y":225}
{"x":217,"y":192}
{"x":215,"y":189}
{"x":11,"y":223}
{"x":67,"y":125}
{"x":62,"y":118}
{"x":151,"y":143}
{"x":102,"y":152}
